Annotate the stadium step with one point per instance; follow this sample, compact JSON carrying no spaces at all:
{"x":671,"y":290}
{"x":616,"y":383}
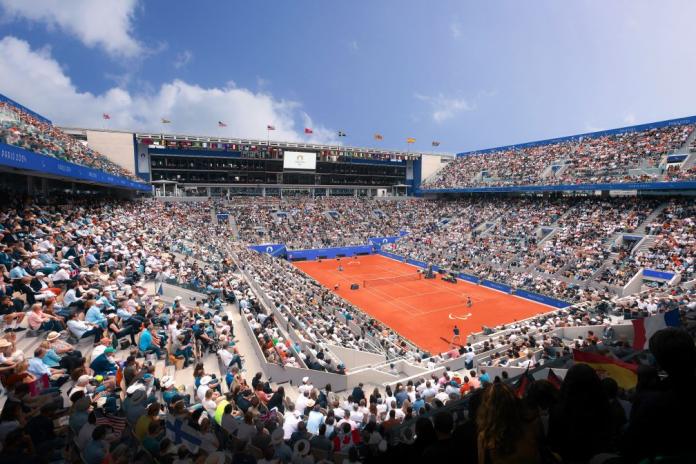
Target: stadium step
{"x":644,"y":244}
{"x":690,"y":161}
{"x":642,"y":228}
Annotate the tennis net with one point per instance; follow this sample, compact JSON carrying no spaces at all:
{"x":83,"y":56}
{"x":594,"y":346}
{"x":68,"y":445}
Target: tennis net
{"x":391,"y":280}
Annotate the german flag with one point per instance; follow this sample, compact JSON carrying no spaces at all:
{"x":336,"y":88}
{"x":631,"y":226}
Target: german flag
{"x":523,"y":384}
{"x":625,"y":374}
{"x":554,"y":380}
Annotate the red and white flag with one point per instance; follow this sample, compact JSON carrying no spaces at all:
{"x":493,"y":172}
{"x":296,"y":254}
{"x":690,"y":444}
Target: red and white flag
{"x":646,"y":327}
{"x":307,"y":130}
{"x":106,"y":116}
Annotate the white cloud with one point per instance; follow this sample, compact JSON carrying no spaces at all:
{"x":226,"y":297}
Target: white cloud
{"x":353,"y":46}
{"x":96,"y":23}
{"x":182,"y":59}
{"x":630,"y":119}
{"x":444,"y":107}
{"x":37,"y":81}
{"x":455,"y":29}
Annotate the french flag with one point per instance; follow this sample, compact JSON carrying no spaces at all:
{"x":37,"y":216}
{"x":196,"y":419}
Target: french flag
{"x":644,"y":328}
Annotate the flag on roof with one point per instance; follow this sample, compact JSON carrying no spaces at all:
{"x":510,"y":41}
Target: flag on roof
{"x":106,"y":116}
{"x":644,"y":328}
{"x":410,"y":140}
{"x":554,"y":380}
{"x":270,"y":127}
{"x":165,"y":121}
{"x":341,"y":134}
{"x":221,"y":124}
{"x":379,"y":137}
{"x":625,"y":374}
{"x":308,"y":130}
{"x":436,"y":143}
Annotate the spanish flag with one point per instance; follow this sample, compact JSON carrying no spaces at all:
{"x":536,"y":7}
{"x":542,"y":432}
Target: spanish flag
{"x":625,"y":374}
{"x":410,"y":140}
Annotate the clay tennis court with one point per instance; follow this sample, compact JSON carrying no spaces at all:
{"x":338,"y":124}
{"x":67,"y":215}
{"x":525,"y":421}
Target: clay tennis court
{"x":422,"y":310}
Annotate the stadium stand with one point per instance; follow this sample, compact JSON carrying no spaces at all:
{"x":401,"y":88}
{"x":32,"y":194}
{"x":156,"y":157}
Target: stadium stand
{"x":624,"y":157}
{"x":24,"y":130}
{"x":145,"y":330}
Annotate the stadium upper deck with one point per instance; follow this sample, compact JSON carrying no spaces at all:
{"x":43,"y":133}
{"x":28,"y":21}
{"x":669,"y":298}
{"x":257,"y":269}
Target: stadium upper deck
{"x":659,"y":155}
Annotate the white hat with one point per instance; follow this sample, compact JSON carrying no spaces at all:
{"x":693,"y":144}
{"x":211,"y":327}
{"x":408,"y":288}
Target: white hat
{"x":39,"y":274}
{"x":206,"y":380}
{"x":305,"y":379}
{"x":167,"y":381}
{"x":52,"y":336}
{"x":177,"y":298}
{"x":134,"y":388}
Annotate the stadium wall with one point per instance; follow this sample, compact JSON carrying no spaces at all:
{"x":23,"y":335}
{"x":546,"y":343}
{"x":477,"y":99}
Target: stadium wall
{"x":117,"y":146}
{"x":329,"y":253}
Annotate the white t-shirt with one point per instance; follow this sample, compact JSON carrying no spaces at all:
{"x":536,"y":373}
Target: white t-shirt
{"x":289,"y":425}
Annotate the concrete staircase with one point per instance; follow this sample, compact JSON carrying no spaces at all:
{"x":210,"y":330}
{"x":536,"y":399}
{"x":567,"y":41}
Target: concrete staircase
{"x":641,"y":229}
{"x":644,"y":244}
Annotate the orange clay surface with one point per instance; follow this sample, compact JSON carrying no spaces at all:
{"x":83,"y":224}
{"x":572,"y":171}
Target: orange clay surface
{"x":423,"y":311}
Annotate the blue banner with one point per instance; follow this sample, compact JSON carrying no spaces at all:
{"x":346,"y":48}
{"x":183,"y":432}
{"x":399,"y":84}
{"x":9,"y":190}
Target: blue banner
{"x":380,"y":241}
{"x":391,"y":255}
{"x":329,"y":253}
{"x":25,"y":109}
{"x":277,"y":249}
{"x":676,"y":158}
{"x":657,"y":274}
{"x":413,"y":262}
{"x":680,"y":185}
{"x":621,"y":130}
{"x":496,"y":285}
{"x":222,"y":216}
{"x":20,"y":158}
{"x":469,"y":278}
{"x":542,"y":299}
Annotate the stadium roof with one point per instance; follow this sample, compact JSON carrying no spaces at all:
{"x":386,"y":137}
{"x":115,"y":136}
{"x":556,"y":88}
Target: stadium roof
{"x":279,"y":144}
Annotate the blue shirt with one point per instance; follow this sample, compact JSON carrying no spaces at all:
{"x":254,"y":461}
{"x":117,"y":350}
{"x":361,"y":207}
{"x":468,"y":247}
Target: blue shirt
{"x":101,"y":365}
{"x":18,"y":272}
{"x":95,"y":316}
{"x":145,"y":340}
{"x":38,"y":368}
{"x":51,"y":359}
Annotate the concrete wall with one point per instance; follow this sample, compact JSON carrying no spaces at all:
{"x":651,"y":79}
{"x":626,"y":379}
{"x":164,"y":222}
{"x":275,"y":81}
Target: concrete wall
{"x":355,"y":358}
{"x":430,"y":164}
{"x":117,"y":146}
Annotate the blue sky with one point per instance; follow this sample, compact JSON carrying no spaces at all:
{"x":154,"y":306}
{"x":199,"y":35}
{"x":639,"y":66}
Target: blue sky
{"x":468,"y":74}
